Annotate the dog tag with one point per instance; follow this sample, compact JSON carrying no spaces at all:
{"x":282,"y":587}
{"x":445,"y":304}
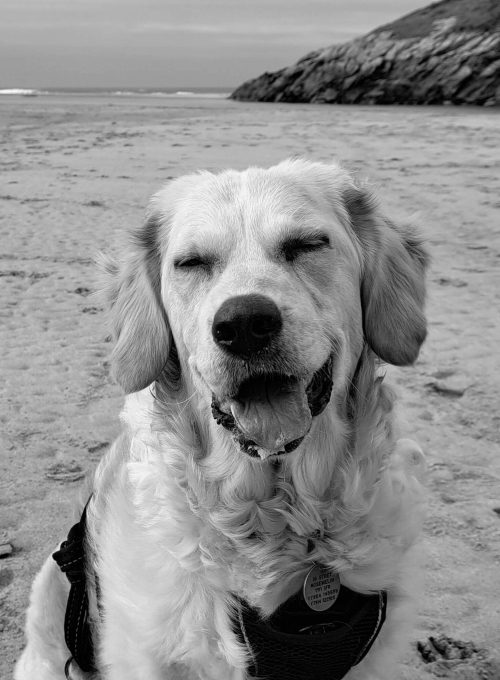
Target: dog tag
{"x":321,"y":588}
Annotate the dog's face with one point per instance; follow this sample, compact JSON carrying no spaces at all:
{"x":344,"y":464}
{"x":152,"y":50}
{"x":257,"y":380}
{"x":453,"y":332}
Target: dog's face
{"x":261,"y":286}
{"x":267,"y":282}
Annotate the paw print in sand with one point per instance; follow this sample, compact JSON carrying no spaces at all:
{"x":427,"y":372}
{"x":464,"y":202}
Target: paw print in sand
{"x":449,"y":658}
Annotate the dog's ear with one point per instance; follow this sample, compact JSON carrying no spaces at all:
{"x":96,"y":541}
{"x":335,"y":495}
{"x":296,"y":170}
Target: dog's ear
{"x":138,"y":319}
{"x":393,"y":282}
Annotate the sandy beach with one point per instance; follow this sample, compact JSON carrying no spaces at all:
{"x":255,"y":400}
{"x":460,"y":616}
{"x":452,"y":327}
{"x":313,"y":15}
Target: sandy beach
{"x":77,"y":171}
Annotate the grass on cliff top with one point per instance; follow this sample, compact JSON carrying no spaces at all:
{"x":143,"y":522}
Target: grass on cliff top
{"x":477,"y":15}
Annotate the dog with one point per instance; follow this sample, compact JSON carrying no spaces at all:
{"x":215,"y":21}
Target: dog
{"x":251,"y":317}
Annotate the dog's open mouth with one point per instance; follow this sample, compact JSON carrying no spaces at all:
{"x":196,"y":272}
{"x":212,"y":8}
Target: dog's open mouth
{"x":271,"y":414}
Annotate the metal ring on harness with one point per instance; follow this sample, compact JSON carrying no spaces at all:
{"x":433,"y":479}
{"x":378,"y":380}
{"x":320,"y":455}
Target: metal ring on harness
{"x":67,"y":668}
{"x":73,"y":672}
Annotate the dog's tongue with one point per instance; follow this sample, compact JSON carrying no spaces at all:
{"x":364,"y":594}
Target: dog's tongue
{"x":272,"y":412}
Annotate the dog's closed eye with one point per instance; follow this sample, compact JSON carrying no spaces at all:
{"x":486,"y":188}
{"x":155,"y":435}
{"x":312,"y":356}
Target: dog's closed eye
{"x":294,"y":246}
{"x":193,"y":260}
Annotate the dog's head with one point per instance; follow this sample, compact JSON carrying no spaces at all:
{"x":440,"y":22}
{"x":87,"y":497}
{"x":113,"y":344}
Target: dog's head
{"x":267,"y":283}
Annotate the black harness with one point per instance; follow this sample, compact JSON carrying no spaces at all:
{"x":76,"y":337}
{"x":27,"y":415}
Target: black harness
{"x":71,"y":559}
{"x":300,"y":644}
{"x":295,"y":643}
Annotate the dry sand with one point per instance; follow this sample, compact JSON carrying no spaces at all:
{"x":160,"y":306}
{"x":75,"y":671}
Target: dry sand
{"x":76,"y":171}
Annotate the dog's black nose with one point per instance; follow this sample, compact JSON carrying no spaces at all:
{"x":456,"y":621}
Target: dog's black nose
{"x":245,"y":324}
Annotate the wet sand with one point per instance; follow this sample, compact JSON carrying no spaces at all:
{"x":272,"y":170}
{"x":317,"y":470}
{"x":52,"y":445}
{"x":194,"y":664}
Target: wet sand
{"x":76,"y":172}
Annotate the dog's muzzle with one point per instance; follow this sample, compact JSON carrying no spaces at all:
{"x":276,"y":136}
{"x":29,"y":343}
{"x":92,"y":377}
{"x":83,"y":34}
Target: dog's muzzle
{"x":272,"y":413}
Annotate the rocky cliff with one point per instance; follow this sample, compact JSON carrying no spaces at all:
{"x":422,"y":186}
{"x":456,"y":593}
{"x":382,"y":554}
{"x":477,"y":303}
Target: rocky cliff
{"x":448,"y":52}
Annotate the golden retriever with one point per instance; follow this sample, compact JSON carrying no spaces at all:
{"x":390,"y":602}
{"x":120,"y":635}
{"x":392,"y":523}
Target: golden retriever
{"x":250,"y":317}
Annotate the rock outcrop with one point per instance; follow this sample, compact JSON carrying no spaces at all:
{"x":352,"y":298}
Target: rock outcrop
{"x":446,"y":53}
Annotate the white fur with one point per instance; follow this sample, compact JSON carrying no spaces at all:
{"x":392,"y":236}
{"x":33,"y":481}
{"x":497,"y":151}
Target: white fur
{"x":182,"y":522}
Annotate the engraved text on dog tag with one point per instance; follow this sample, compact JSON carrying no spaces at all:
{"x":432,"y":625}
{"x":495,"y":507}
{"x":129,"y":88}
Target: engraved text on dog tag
{"x":321,"y":588}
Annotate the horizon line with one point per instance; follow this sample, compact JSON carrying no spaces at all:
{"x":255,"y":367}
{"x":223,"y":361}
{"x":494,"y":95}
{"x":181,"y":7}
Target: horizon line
{"x":179,"y":88}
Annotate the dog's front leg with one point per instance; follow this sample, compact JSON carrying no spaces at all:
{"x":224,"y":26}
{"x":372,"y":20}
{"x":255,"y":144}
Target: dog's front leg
{"x":125,"y":653}
{"x":148,"y":640}
{"x":147,"y":669}
{"x":142,"y":669}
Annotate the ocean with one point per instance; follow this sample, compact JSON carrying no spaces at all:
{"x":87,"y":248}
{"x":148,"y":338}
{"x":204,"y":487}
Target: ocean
{"x":199,"y":92}
{"x":27,"y":106}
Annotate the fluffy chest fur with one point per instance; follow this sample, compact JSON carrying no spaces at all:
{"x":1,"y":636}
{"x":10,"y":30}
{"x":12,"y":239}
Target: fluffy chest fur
{"x":256,"y":530}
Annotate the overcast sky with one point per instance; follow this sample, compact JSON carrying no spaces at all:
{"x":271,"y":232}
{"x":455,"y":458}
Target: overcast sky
{"x":172,"y":43}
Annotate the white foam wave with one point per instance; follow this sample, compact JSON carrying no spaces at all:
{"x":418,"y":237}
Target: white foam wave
{"x":21,"y":91}
{"x":178,"y":93}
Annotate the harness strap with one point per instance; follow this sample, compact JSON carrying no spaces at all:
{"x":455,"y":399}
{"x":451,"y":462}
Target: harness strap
{"x":71,"y":559}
